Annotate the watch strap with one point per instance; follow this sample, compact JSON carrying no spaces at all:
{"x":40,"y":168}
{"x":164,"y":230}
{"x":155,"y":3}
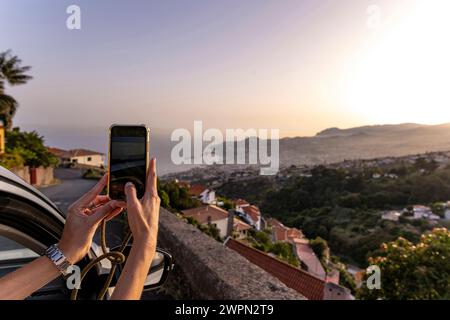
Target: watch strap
{"x":58,"y":258}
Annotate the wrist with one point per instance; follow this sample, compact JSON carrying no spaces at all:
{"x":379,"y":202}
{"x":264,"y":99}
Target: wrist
{"x":69,"y":253}
{"x":144,"y":247}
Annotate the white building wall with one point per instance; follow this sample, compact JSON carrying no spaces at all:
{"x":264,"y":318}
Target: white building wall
{"x":93,"y":160}
{"x":222,"y":225}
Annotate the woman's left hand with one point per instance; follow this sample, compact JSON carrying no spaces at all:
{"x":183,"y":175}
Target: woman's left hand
{"x":83,"y":218}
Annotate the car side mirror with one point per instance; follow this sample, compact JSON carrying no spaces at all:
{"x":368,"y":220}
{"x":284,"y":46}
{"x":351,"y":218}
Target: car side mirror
{"x":159,"y":270}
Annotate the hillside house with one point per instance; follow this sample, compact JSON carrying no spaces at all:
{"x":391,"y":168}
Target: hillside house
{"x":210,"y":214}
{"x":203,"y":193}
{"x":79,"y":156}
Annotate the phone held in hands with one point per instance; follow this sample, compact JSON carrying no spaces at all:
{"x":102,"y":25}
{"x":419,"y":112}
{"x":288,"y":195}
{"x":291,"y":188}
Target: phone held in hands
{"x":128,"y":159}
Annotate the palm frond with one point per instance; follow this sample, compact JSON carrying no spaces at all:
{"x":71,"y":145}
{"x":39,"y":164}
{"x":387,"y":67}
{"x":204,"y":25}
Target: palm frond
{"x":11,"y":69}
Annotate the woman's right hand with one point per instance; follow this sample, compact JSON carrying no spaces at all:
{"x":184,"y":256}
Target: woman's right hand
{"x":143,"y":214}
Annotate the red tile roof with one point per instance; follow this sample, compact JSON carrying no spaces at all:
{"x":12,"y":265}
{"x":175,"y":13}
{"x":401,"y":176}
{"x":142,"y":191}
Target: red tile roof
{"x":59,"y":152}
{"x":196,"y":189}
{"x":253,"y":212}
{"x":207,"y":213}
{"x":280,"y":233}
{"x":239,"y":225}
{"x":83,"y":152}
{"x":294,"y":233}
{"x":306,"y":284}
{"x":274,"y":222}
{"x":241,"y":202}
{"x":72,"y":153}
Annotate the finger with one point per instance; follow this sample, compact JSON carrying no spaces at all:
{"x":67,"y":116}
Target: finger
{"x":130,"y":193}
{"x":99,"y":213}
{"x":151,"y":189}
{"x":113,"y":214}
{"x":99,"y":200}
{"x":94,"y":192}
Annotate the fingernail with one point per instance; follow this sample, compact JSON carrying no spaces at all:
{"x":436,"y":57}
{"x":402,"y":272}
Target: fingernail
{"x":129,"y":185}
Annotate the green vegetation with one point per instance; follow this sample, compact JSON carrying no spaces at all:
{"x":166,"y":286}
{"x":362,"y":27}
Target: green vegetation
{"x":26,"y":148}
{"x":261,"y":240}
{"x":12,"y":73}
{"x":408,"y":271}
{"x":343,"y":206}
{"x":173,"y":197}
{"x":93,"y":173}
{"x":210,"y":229}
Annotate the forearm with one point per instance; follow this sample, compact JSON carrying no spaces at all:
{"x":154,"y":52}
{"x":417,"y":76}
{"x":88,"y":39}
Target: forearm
{"x":132,"y":279}
{"x":23,"y":282}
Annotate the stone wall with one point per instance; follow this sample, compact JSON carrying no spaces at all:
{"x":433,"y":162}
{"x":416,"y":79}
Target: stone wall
{"x":213,"y":271}
{"x":43,"y":176}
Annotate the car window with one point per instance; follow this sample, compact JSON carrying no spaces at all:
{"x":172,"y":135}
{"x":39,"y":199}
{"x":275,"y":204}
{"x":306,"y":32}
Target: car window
{"x":10,"y":250}
{"x":13,"y":255}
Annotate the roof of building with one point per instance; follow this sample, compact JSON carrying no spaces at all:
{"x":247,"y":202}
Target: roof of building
{"x":206,"y":213}
{"x":72,"y":153}
{"x":309,"y":258}
{"x":253,"y":212}
{"x":239,"y":225}
{"x":280,"y":233}
{"x":197,"y":189}
{"x":58,"y":152}
{"x":301,"y":281}
{"x":83,"y":152}
{"x":242,"y":202}
{"x":294,"y":233}
{"x":274,"y":222}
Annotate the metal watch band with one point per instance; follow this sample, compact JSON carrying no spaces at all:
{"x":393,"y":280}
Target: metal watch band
{"x":58,"y":258}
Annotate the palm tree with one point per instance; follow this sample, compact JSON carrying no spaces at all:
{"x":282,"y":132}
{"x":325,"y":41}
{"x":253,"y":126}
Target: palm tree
{"x":13,"y":73}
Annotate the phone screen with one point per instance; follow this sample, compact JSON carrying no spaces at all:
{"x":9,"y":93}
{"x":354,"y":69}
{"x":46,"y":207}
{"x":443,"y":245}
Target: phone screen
{"x":128,"y":160}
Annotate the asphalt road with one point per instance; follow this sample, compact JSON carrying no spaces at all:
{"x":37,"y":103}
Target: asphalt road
{"x":71,"y":187}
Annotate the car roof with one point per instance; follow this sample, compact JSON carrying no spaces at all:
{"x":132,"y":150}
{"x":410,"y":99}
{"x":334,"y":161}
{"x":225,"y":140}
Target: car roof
{"x":11,"y":183}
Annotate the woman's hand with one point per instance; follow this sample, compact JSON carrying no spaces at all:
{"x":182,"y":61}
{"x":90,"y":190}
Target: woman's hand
{"x":83,"y":218}
{"x":143,"y":215}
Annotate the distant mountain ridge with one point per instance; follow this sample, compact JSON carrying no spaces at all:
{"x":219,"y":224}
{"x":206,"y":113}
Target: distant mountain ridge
{"x":335,"y":145}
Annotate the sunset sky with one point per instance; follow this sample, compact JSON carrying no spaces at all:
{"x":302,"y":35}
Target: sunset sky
{"x":300,"y":66}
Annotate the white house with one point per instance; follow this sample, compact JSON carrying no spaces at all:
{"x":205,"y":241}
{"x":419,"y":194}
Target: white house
{"x":420,"y":211}
{"x":252,"y":215}
{"x":447,"y":214}
{"x":79,"y":156}
{"x":391,"y":215}
{"x":210,"y":214}
{"x":204,"y":194}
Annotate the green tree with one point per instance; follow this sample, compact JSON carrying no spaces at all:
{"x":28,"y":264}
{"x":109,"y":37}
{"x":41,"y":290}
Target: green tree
{"x":165,"y":200}
{"x":284,"y":251}
{"x":409,"y":271}
{"x":12,"y":73}
{"x":30,"y":147}
{"x":320,"y":248}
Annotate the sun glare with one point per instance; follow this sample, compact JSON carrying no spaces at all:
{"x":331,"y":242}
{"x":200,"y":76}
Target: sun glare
{"x":406,"y":76}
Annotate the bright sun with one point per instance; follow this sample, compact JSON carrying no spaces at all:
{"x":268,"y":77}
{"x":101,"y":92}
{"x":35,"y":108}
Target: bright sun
{"x":406,"y":77}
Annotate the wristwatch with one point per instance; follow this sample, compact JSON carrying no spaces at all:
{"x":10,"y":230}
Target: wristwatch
{"x":59,"y":259}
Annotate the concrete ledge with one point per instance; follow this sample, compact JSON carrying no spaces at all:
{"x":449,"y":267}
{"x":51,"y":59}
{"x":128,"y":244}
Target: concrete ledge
{"x":213,"y":271}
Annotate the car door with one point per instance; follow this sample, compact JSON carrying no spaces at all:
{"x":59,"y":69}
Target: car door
{"x":29,"y":223}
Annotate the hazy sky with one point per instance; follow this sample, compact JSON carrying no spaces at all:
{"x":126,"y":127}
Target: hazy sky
{"x":299,"y":66}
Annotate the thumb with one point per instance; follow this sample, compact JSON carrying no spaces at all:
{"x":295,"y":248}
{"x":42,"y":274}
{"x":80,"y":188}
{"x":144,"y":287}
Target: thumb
{"x":131,"y":195}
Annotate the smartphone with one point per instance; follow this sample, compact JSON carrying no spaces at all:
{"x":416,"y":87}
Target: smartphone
{"x":128,"y":159}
